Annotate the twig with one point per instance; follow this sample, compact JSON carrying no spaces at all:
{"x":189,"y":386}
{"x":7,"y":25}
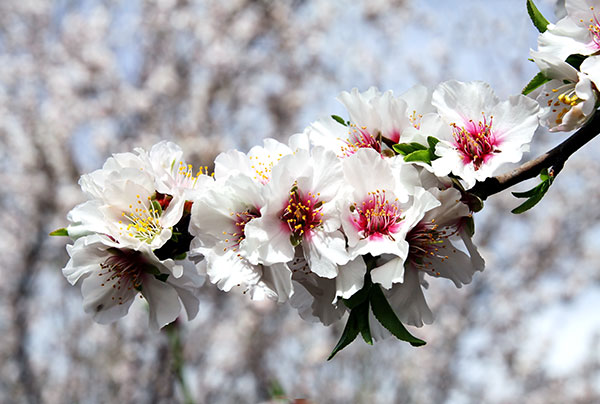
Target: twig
{"x":554,"y":159}
{"x":178,"y":361}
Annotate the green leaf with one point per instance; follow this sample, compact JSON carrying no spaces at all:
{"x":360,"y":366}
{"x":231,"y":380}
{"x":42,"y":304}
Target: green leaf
{"x":575,"y":60}
{"x":407,"y":148}
{"x":295,"y":239}
{"x":350,"y":333}
{"x":534,"y":199}
{"x":161,"y":277}
{"x":432,"y":141}
{"x":536,"y":17}
{"x":276,"y":391}
{"x":538,"y":80}
{"x":339,"y":119}
{"x":180,"y":257}
{"x":151,"y":269}
{"x":528,"y":194}
{"x":60,"y":232}
{"x":474,"y":202}
{"x":385,"y":315}
{"x":363,"y":322}
{"x":156,"y":207}
{"x":470,"y":225}
{"x":544,"y":176}
{"x":419,"y":155}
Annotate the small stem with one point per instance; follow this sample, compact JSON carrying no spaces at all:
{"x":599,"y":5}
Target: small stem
{"x":178,"y":362}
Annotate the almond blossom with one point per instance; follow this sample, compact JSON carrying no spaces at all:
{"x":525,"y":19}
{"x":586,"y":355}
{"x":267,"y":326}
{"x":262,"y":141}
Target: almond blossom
{"x":377,"y":207}
{"x":481,"y":132}
{"x":373,"y":116}
{"x":569,"y":99}
{"x":218,"y":222}
{"x":112,"y":276}
{"x":440,"y":246}
{"x":300,"y":213}
{"x":257,"y":163}
{"x":577,"y":33}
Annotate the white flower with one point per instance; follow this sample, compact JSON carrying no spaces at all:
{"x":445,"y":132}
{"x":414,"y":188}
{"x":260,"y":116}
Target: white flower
{"x":218,"y":221}
{"x":111,"y":277}
{"x":300,"y":212}
{"x":256,"y":164}
{"x":129,"y":211}
{"x":440,"y":244}
{"x":379,"y":204}
{"x":116,"y":167}
{"x":172,"y":175}
{"x":343,"y":140}
{"x":482,"y":132}
{"x":374,"y":114}
{"x":568,"y":100}
{"x":577,"y":33}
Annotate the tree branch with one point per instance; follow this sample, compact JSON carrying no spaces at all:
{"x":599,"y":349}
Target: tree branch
{"x":554,"y":159}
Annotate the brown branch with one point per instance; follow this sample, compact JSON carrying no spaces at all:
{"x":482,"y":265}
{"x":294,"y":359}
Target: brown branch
{"x":554,"y":159}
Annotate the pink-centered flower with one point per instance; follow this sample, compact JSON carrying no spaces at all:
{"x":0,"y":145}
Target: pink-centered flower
{"x":481,"y":132}
{"x":439,"y":246}
{"x":112,"y":276}
{"x":219,"y":219}
{"x":300,"y":212}
{"x":379,"y":204}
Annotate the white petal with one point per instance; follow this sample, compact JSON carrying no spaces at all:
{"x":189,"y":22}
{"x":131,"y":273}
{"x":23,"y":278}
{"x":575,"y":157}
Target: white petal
{"x":163,"y":302}
{"x":278,"y":278}
{"x":408,"y":301}
{"x":351,"y":278}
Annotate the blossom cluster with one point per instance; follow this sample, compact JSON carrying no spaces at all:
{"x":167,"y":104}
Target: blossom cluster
{"x":351,"y":215}
{"x":568,"y":56}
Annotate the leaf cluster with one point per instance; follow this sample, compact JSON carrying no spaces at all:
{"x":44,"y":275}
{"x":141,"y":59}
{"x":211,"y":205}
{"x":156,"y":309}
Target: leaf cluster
{"x":414,"y":151}
{"x":371,"y":297}
{"x":535,"y":194}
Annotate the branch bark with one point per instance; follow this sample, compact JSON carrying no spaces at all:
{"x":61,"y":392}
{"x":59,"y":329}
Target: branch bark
{"x":554,"y":159}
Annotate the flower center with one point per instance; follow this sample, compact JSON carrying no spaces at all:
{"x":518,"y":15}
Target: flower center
{"x":359,"y":138}
{"x":302,"y":214}
{"x":475,"y":141}
{"x":184,"y":176}
{"x":594,"y":28}
{"x":415,"y":119}
{"x":427,"y":240}
{"x":377,"y":217}
{"x":241,"y":219}
{"x":567,"y":98}
{"x":123,"y":271}
{"x":143,"y":218}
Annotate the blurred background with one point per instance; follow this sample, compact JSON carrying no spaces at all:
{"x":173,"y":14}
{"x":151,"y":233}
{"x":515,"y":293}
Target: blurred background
{"x":82,"y":79}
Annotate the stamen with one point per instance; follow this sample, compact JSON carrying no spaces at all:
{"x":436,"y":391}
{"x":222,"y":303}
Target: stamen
{"x":377,"y":217}
{"x":123,"y":271}
{"x":144,"y":218}
{"x":360,"y":138}
{"x":475,"y":141}
{"x":302,"y":213}
{"x":241,"y":219}
{"x":427,"y":240}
